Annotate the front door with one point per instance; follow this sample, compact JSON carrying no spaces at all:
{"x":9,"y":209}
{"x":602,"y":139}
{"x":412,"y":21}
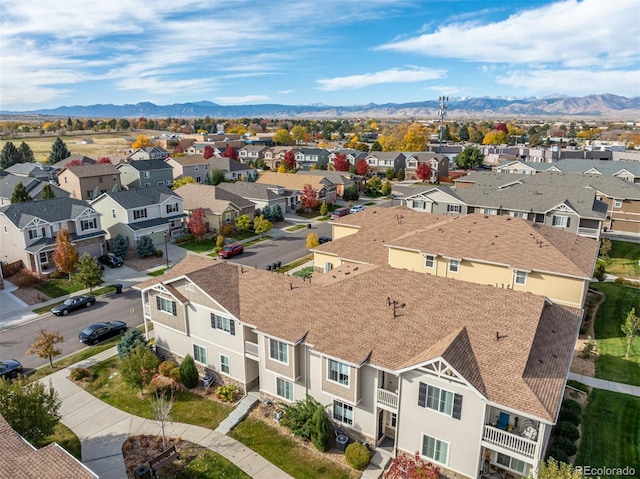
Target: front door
{"x":380,"y":425}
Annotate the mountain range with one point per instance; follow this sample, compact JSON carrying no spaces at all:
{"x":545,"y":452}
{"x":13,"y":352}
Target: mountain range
{"x":606,"y":106}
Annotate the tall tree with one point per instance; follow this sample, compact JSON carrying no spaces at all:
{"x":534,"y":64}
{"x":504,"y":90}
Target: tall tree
{"x":65,"y":255}
{"x":197,"y":224}
{"x":141,"y":142}
{"x":495,"y":137}
{"x":309,"y":197}
{"x":242,"y":223}
{"x":139,"y":367}
{"x":59,"y":151}
{"x":630,"y":327}
{"x":216,"y":177}
{"x":386,"y":188}
{"x":340,"y":162}
{"x":26,"y":153}
{"x":47,"y":192}
{"x":502,"y":127}
{"x":464,"y":133}
{"x":282,"y":137}
{"x":45,"y":345}
{"x":9,"y":155}
{"x":289,"y":161}
{"x":30,"y":408}
{"x":312,"y":240}
{"x":362,"y":167}
{"x":104,"y":160}
{"x":423,"y":171}
{"x":120,"y":246}
{"x":230,"y":152}
{"x":470,"y":157}
{"x":20,"y":194}
{"x":298,"y":133}
{"x":145,"y":247}
{"x":374,"y":185}
{"x":261,"y":225}
{"x":208,"y":152}
{"x":88,"y":272}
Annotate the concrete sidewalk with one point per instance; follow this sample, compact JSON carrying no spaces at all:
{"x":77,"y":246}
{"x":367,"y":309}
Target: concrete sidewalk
{"x":102,"y":429}
{"x":606,"y":385}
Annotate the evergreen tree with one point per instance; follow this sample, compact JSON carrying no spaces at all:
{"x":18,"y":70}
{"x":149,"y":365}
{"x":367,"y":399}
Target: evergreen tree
{"x":145,"y":247}
{"x":120,"y":246}
{"x":96,"y":193}
{"x":401,"y":174}
{"x":88,"y":272}
{"x":130,"y":341}
{"x":26,"y":153}
{"x":266,"y":212}
{"x":321,"y":431}
{"x":47,"y":192}
{"x":351,"y":193}
{"x":9,"y":155}
{"x":464,"y":133}
{"x":59,"y":151}
{"x":20,"y":194}
{"x":189,"y":372}
{"x":276,"y":213}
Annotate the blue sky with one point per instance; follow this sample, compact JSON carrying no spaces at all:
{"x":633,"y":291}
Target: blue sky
{"x":332,"y":52}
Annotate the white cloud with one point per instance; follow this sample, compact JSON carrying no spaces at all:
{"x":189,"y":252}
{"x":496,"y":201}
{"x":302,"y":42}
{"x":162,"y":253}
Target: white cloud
{"x":236,"y":100}
{"x":285,"y":92}
{"x":448,"y":90}
{"x":573,"y":33}
{"x":393,"y":75}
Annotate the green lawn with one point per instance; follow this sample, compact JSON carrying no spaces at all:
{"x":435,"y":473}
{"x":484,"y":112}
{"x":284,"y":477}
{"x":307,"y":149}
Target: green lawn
{"x":296,"y":263}
{"x":205,"y":465}
{"x":296,"y":227}
{"x":304,"y":272}
{"x":611,"y":363}
{"x":610,"y":431}
{"x":624,"y":259}
{"x":55,"y":288}
{"x":66,"y":439}
{"x":199,"y":247}
{"x":285,"y":453}
{"x":158,"y":272}
{"x":189,"y":408}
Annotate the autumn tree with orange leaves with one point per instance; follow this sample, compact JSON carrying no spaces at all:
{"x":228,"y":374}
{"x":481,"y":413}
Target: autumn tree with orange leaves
{"x":65,"y":255}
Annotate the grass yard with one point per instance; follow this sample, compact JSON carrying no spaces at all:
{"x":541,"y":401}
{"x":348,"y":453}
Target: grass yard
{"x":296,"y":263}
{"x":65,"y":439}
{"x":285,"y":453}
{"x":611,"y":363}
{"x":189,"y":408}
{"x":96,"y":292}
{"x":296,"y":227}
{"x":206,"y":465}
{"x":158,"y":272}
{"x":624,"y":259}
{"x":55,"y":288}
{"x":304,"y":272}
{"x":199,"y":247}
{"x":611,"y":420}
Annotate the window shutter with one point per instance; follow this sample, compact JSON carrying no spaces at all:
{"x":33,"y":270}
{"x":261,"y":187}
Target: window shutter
{"x":213,"y":321}
{"x":422,"y":395}
{"x":457,"y":406}
{"x":173,"y":307}
{"x":568,"y":222}
{"x":232,"y":327}
{"x":158,"y":302}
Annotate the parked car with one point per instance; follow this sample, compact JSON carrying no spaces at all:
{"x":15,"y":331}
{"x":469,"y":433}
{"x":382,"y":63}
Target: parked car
{"x":323,"y":239}
{"x":356,"y":209}
{"x":98,"y":332}
{"x":72,"y":304}
{"x":111,"y":260}
{"x":230,"y":250}
{"x":10,"y":368}
{"x":339,"y":213}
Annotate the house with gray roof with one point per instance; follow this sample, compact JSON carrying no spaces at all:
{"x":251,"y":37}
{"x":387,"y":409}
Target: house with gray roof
{"x":260,"y":195}
{"x":626,"y":170}
{"x":33,"y":170}
{"x":252,"y":153}
{"x":85,"y":160}
{"x":351,"y":155}
{"x":341,"y":179}
{"x":155,"y":211}
{"x":307,"y":157}
{"x":148,"y":153}
{"x":380,"y":161}
{"x":145,"y":173}
{"x":233,"y":169}
{"x":29,"y":231}
{"x":439,"y":165}
{"x":33,"y":186}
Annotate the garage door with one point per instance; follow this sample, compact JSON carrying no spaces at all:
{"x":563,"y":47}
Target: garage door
{"x":93,"y":250}
{"x":157,"y":238}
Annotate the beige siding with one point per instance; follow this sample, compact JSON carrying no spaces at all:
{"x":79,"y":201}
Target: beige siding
{"x":338,"y":390}
{"x":175,"y":322}
{"x":340,"y":231}
{"x":285,"y":370}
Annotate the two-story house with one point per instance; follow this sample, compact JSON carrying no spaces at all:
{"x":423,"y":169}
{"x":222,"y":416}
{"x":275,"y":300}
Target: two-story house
{"x":86,"y":182}
{"x":628,"y":171}
{"x":293,"y":185}
{"x":415,"y":371}
{"x":28,"y":231}
{"x":155,"y":211}
{"x":233,"y":169}
{"x":221,"y":207}
{"x":145,"y":173}
{"x":33,"y":186}
{"x":260,"y":195}
{"x":351,"y":155}
{"x":274,"y":155}
{"x":33,"y":170}
{"x":308,"y":157}
{"x":380,"y":161}
{"x":252,"y":153}
{"x":195,"y":166}
{"x":342,"y":179}
{"x":439,"y":165}
{"x":148,"y":153}
{"x":501,"y":251}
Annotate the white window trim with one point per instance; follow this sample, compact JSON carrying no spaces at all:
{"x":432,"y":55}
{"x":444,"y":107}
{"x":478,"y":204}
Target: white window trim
{"x":617,"y":203}
{"x":339,"y":364}
{"x":429,"y":258}
{"x":194,"y":353}
{"x":286,"y":381}
{"x":515,"y":277}
{"x":562,"y":221}
{"x":286,"y":350}
{"x":446,"y":463}
{"x":450,"y":264}
{"x":164,"y":301}
{"x":442,"y":390}
{"x":222,"y":364}
{"x":353,"y":412}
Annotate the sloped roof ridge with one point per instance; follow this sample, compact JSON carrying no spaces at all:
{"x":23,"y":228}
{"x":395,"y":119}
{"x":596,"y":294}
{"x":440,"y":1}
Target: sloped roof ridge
{"x":462,"y":358}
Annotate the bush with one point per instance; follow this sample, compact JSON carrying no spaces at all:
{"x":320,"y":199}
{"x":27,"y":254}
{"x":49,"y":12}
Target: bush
{"x":321,"y":430}
{"x":298,"y":416}
{"x":227,"y":393}
{"x":626,"y":282}
{"x":175,"y":375}
{"x":558,"y":454}
{"x":571,"y":405}
{"x":189,"y":373}
{"x":139,"y":367}
{"x":145,"y":247}
{"x":568,"y":415}
{"x":599,"y":273}
{"x":159,"y":253}
{"x":166,"y":367}
{"x":357,"y":455}
{"x":78,"y":374}
{"x":578,"y":385}
{"x":130,"y":341}
{"x":568,"y":430}
{"x":566,"y":445}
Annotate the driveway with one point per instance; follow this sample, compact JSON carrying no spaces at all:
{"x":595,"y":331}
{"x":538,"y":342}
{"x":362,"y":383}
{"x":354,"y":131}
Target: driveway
{"x":12,"y":309}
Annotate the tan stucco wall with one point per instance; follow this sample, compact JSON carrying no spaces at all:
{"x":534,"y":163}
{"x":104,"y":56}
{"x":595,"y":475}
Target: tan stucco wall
{"x":285,"y":370}
{"x":175,"y":322}
{"x":347,"y":393}
{"x":320,"y":260}
{"x":340,"y":231}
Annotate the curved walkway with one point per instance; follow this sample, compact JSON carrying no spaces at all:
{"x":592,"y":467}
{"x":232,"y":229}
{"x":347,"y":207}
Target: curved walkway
{"x":102,"y":429}
{"x":607,"y":385}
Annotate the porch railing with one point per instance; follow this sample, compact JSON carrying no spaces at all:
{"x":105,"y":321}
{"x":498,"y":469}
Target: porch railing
{"x":387,"y":398}
{"x":509,"y":441}
{"x":251,"y":348}
{"x":589,"y":232}
{"x":147,"y":309}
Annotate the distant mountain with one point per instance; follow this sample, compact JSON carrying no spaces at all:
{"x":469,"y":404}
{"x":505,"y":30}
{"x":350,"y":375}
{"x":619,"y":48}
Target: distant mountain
{"x":605,"y":106}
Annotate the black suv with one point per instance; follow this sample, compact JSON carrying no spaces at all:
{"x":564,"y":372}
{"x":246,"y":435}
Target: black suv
{"x":111,"y":260}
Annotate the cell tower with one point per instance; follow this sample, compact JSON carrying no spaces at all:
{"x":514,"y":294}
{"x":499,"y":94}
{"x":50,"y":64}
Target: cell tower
{"x":442,"y":112}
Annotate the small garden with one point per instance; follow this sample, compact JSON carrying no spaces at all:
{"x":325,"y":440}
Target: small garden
{"x":620,"y":258}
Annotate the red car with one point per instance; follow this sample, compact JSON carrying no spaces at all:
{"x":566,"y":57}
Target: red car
{"x":230,"y":250}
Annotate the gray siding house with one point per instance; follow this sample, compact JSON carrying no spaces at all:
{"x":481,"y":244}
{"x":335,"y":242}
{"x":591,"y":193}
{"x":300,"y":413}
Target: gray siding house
{"x":145,"y":173}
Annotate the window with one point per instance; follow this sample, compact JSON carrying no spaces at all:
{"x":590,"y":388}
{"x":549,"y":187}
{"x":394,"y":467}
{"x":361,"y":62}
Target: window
{"x":88,"y":224}
{"x":278,"y":351}
{"x":440,"y":400}
{"x":429,"y":261}
{"x":198,"y":179}
{"x":284,"y":389}
{"x":99,"y":179}
{"x":5,"y":228}
{"x":36,"y":233}
{"x":224,"y":364}
{"x":166,"y":305}
{"x":137,"y":214}
{"x":521,"y":277}
{"x":227,"y":217}
{"x":617,"y":203}
{"x":328,"y":266}
{"x":343,"y":413}
{"x":206,"y":167}
{"x":418,"y":204}
{"x":160,"y":183}
{"x":197,"y":168}
{"x":43,"y":258}
{"x":454,"y":265}
{"x":339,"y":372}
{"x":435,"y":449}
{"x":147,"y":175}
{"x":200,"y":354}
{"x":114,"y":178}
{"x":561,"y":221}
{"x":224,"y":324}
{"x":172,"y":208}
{"x":113,"y":213}
{"x":454,"y":209}
{"x":147,"y":185}
{"x":518,"y":214}
{"x":510,"y":462}
{"x":490,"y":211}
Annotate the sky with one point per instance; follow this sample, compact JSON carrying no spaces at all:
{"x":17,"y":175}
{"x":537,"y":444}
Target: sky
{"x":303,"y":52}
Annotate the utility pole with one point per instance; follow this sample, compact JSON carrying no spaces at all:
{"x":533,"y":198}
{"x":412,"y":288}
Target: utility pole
{"x":442,"y":112}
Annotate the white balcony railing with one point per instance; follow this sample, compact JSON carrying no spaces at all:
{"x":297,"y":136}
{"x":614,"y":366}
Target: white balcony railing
{"x":509,"y":441}
{"x":251,"y":349}
{"x":588,"y":232}
{"x":387,"y":398}
{"x":147,"y":309}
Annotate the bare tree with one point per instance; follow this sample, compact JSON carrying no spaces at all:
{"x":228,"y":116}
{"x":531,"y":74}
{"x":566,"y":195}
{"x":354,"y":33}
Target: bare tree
{"x":162,"y":406}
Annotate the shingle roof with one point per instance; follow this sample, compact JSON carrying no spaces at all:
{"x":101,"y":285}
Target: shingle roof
{"x":139,"y":197}
{"x":26,"y":169}
{"x":189,"y":160}
{"x":347,"y":316}
{"x":9,"y":182}
{"x":52,"y":211}
{"x":250,"y":190}
{"x":210,"y":198}
{"x":578,"y":165}
{"x":63,"y":163}
{"x":293,"y":181}
{"x":226,"y":164}
{"x":97,"y":169}
{"x":147,"y":165}
{"x":336,"y":177}
{"x":19,"y":459}
{"x":610,"y":186}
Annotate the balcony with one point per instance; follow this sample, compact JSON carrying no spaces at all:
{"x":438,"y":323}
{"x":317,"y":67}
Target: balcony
{"x":387,"y":398}
{"x":251,"y":350}
{"x":147,"y":309}
{"x":509,"y":441}
{"x":589,"y":232}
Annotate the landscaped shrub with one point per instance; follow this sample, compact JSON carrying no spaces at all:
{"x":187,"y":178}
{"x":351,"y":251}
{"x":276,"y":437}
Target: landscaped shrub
{"x":571,"y":405}
{"x":626,"y":282}
{"x":189,"y":373}
{"x":578,"y":385}
{"x":321,"y":430}
{"x":227,"y":393}
{"x":145,"y":247}
{"x":159,"y":253}
{"x":139,"y":367}
{"x":166,"y":367}
{"x":566,"y":445}
{"x":175,"y":375}
{"x":298,"y":416}
{"x":78,"y":374}
{"x":568,"y":430}
{"x":357,"y":455}
{"x":558,"y":454}
{"x":404,"y":466}
{"x":131,"y":339}
{"x":120,"y":246}
{"x":599,"y":273}
{"x":568,"y":415}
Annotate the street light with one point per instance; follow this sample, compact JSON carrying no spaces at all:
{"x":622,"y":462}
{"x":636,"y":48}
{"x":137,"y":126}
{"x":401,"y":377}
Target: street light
{"x":166,"y":249}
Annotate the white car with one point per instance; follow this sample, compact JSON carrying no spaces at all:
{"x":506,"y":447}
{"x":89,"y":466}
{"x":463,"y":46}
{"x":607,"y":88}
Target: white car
{"x":356,"y":209}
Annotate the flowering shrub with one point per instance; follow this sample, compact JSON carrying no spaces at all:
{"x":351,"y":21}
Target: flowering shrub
{"x":227,"y":393}
{"x":411,"y":467}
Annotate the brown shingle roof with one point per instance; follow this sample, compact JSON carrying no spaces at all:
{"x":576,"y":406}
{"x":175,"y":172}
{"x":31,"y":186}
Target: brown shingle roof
{"x":97,"y":169}
{"x":209,"y":197}
{"x":292,"y":181}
